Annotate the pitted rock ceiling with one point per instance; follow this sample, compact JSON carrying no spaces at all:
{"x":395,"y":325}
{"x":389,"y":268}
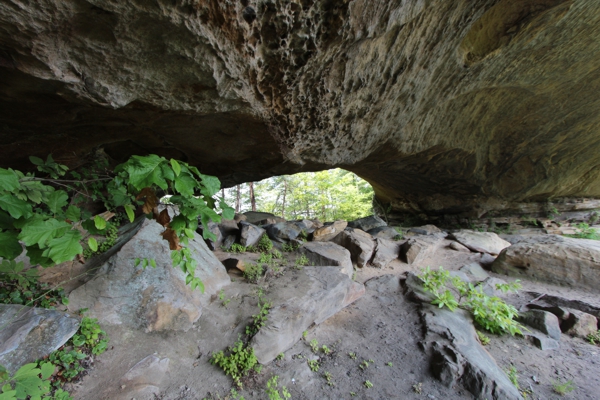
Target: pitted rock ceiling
{"x":445,"y":106}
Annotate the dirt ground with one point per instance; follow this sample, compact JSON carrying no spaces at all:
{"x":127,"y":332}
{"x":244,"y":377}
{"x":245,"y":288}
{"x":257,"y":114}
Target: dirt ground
{"x":382,"y":328}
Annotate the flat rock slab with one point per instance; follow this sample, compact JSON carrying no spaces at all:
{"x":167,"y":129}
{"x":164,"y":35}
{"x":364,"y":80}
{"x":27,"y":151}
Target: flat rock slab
{"x":417,"y":249}
{"x":28,"y":334}
{"x":250,"y":234}
{"x":385,"y":251}
{"x":283,"y":231}
{"x":482,"y":242}
{"x":328,"y":232}
{"x":359,"y":243}
{"x":384,"y":232}
{"x":367,"y":223}
{"x":313,"y":295}
{"x":426,"y":230}
{"x":543,"y":321}
{"x":328,"y":254}
{"x":553,"y":259}
{"x":144,"y":378}
{"x":255,"y":217}
{"x":154,"y":299}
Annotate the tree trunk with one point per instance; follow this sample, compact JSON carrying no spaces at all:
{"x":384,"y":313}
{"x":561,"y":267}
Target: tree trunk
{"x":237,"y":199}
{"x":283,"y":203}
{"x":252,"y":198}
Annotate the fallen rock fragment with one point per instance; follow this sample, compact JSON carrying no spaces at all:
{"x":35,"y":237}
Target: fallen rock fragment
{"x":553,"y":259}
{"x":476,"y":271}
{"x":543,"y":321}
{"x":426,"y":230}
{"x":384,"y":232}
{"x":417,"y":249}
{"x":482,"y":242}
{"x":283,"y":231}
{"x":328,"y":232}
{"x":254,"y":217}
{"x":328,"y":254}
{"x":154,"y":299}
{"x":144,"y":378}
{"x":367,"y":223}
{"x":359,"y":243}
{"x":28,"y":333}
{"x":385,"y":251}
{"x":317,"y":293}
{"x":250,"y":234}
{"x":459,"y":247}
{"x":579,"y":324}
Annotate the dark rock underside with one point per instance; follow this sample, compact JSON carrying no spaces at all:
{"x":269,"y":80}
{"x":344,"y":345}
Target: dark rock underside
{"x":445,"y":107}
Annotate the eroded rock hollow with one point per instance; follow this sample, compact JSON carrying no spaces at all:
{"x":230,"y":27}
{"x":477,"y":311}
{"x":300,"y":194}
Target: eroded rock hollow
{"x":445,"y":107}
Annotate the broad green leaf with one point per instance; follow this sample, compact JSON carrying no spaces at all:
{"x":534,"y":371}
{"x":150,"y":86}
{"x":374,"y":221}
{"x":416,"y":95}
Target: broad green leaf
{"x":130,"y":214}
{"x":57,"y":200}
{"x":73,"y":213}
{"x":188,"y":279}
{"x":211,"y":184}
{"x":8,"y":180}
{"x":136,"y":262}
{"x":167,"y":172}
{"x":189,"y":233}
{"x":64,"y":248}
{"x":146,"y":171}
{"x":153,"y":263}
{"x":185,"y":184}
{"x":40,"y":232}
{"x":26,"y":370}
{"x":176,"y":167}
{"x":6,"y":221}
{"x":93,"y":244}
{"x":8,"y":395}
{"x":36,"y":160}
{"x":14,"y":206}
{"x":178,"y":223}
{"x":228,"y":212}
{"x":47,"y":370}
{"x":118,"y":195}
{"x":36,"y":257}
{"x":99,"y":222}
{"x":10,"y":248}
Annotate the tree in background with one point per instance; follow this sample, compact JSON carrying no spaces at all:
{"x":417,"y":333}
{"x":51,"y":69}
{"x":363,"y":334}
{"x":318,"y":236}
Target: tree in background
{"x":326,"y":195}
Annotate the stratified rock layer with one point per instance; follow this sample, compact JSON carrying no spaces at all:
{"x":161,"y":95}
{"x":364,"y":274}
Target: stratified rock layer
{"x":444,"y":106}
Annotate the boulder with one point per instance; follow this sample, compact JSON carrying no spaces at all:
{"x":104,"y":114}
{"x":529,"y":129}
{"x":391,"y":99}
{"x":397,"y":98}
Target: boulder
{"x":28,"y":334}
{"x":154,"y":299}
{"x":213,"y":227}
{"x":250,"y":234}
{"x":417,"y":249}
{"x":228,"y":242}
{"x":312,"y":295}
{"x":425,"y":230}
{"x":458,"y":247}
{"x":475,"y":271}
{"x":239,"y":217}
{"x":385,"y":251}
{"x":359,"y":243}
{"x":543,"y":321}
{"x":487,"y":260}
{"x":283,"y":231}
{"x":144,"y":378}
{"x":579,"y":324}
{"x":553,"y":259}
{"x":482,"y":242}
{"x":328,"y":232}
{"x":367,"y":223}
{"x":229,"y":227}
{"x":384,"y":232}
{"x":254,"y":217}
{"x":328,"y":254}
{"x":541,"y":341}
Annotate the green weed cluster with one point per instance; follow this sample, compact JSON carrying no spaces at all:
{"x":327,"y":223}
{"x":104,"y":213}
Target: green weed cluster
{"x":236,"y":362}
{"x":585,"y":232}
{"x":273,"y":390}
{"x":260,"y":319}
{"x":253,"y":272}
{"x":489,"y":312}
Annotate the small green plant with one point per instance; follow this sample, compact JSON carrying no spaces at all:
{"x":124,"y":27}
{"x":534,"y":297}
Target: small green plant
{"x":234,"y":395}
{"x":509,"y":287}
{"x":329,"y":378}
{"x":513,"y":376}
{"x":325,"y":349}
{"x":222,"y":294}
{"x":418,"y":387}
{"x":352,"y":394}
{"x":314,"y":365}
{"x":390,"y":364}
{"x":276,"y":254}
{"x":314,"y":346}
{"x":238,"y":361}
{"x":264,"y":244}
{"x":91,"y":335}
{"x":301,"y":261}
{"x":225,"y":302}
{"x":253,"y":272}
{"x":368,"y":384}
{"x":553,"y":212}
{"x":237,"y":248}
{"x":304,"y":335}
{"x":365,"y":364}
{"x":485,"y":340}
{"x":29,"y":380}
{"x":289,"y":247}
{"x":273,"y":390}
{"x":563,"y":388}
{"x":280,"y":357}
{"x":585,"y":232}
{"x":594,"y":338}
{"x":352,"y":355}
{"x":260,"y":319}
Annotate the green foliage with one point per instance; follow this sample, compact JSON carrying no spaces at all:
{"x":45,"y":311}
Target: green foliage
{"x":326,"y":350}
{"x":563,"y":388}
{"x":594,"y":338}
{"x":111,"y":235}
{"x":290,"y":247}
{"x":45,"y":214}
{"x":236,"y":362}
{"x":485,"y":340}
{"x":21,"y":287}
{"x":260,"y":319}
{"x":352,"y":355}
{"x":237,"y":248}
{"x":273,"y":390}
{"x":314,"y":346}
{"x":253,"y":272}
{"x":91,"y":335}
{"x":513,"y":376}
{"x":365,"y":364}
{"x":491,"y":313}
{"x":30,"y":380}
{"x":314,"y":365}
{"x":280,"y":357}
{"x":264,"y":244}
{"x":368,"y":384}
{"x":585,"y":232}
{"x":301,"y":261}
{"x":329,"y":378}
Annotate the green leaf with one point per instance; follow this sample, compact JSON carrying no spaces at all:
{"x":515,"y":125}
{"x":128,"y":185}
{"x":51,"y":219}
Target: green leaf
{"x":9,"y":181}
{"x":136,"y":262}
{"x":228,"y":212}
{"x":36,"y":160}
{"x":118,"y":195}
{"x":15,"y":207}
{"x":6,"y":221}
{"x":57,"y":200}
{"x":93,"y":244}
{"x":73,"y":213}
{"x":211,"y":184}
{"x":188,"y":279}
{"x":176,"y":167}
{"x":129,"y":209}
{"x":64,"y":248}
{"x":153,"y":263}
{"x":47,"y":370}
{"x":99,"y":222}
{"x":10,"y":247}
{"x":26,"y":370}
{"x":36,"y":257}
{"x":189,"y":233}
{"x":185,"y":184}
{"x":8,"y":395}
{"x":146,"y":171}
{"x":40,"y":232}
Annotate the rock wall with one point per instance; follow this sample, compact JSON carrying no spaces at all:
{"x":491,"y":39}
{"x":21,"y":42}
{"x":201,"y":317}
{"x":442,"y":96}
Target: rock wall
{"x":444,"y":106}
